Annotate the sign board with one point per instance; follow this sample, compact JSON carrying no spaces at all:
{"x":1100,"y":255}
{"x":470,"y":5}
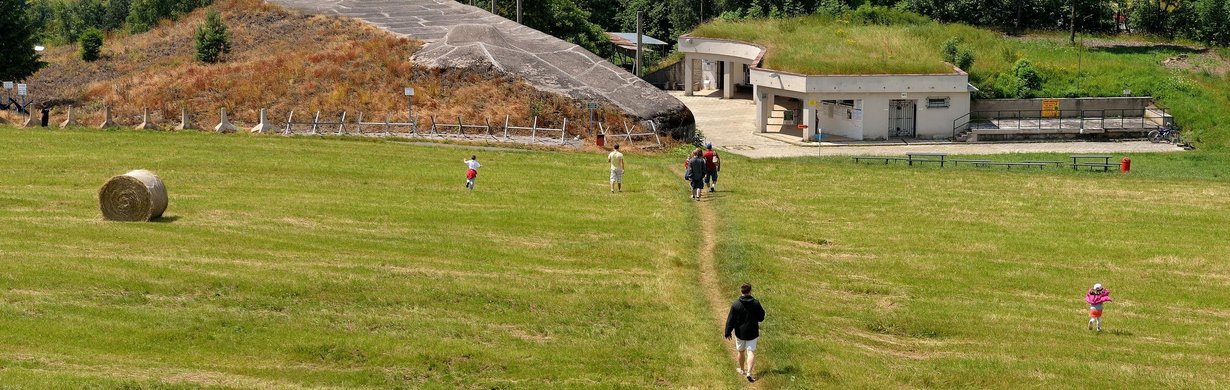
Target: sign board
{"x":1050,"y":108}
{"x":8,"y":85}
{"x":21,"y":90}
{"x":811,"y":103}
{"x":593,"y":105}
{"x":904,"y":95}
{"x":409,"y":91}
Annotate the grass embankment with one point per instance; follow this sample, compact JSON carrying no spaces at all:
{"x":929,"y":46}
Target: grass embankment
{"x":283,"y":61}
{"x":1192,"y":84}
{"x":889,"y":277}
{"x":287,"y":262}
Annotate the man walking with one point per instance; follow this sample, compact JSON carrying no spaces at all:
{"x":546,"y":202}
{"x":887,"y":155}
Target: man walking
{"x":617,"y":169}
{"x":713,"y":164}
{"x":695,"y":173}
{"x":744,"y":319}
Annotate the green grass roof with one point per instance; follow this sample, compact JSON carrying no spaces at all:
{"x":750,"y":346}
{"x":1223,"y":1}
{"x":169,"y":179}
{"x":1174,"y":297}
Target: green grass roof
{"x":823,"y":45}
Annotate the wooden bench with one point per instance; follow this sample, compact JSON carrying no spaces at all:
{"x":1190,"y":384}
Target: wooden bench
{"x":1105,"y":167}
{"x":1055,"y":163}
{"x":877,"y":158}
{"x":974,"y":162}
{"x":1038,"y":165}
{"x":926,"y":157}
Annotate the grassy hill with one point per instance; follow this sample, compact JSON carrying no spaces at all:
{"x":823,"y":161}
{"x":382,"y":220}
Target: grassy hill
{"x":1192,"y":82}
{"x":307,"y":262}
{"x":283,"y":61}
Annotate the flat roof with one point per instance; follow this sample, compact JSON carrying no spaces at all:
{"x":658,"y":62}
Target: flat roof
{"x":623,"y":39}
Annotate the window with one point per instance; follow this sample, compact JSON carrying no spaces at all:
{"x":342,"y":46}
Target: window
{"x":937,"y":102}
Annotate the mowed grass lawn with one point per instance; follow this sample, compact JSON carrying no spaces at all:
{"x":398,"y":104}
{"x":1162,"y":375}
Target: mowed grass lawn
{"x":297,"y":262}
{"x":896,"y":277}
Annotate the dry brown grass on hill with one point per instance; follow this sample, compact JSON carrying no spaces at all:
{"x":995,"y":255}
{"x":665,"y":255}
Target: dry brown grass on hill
{"x":285,"y":61}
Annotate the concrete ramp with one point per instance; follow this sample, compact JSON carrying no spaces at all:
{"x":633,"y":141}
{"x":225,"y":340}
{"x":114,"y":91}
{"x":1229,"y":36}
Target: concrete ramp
{"x":461,"y":36}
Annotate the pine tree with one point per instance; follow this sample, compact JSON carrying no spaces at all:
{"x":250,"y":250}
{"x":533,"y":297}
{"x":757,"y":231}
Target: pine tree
{"x":18,"y":59}
{"x":91,"y":44}
{"x":212,"y":40}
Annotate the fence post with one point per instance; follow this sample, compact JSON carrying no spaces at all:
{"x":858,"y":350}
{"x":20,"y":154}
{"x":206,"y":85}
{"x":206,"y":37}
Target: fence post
{"x":314,"y":121}
{"x":534,"y":131}
{"x":461,"y":128}
{"x":488,"y":122}
{"x":505,"y":127}
{"x":386,"y":126}
{"x":289,"y":118}
{"x":341,"y":123}
{"x":359,"y":125}
{"x":563,"y":132}
{"x":655,"y":133}
{"x":433,"y":125}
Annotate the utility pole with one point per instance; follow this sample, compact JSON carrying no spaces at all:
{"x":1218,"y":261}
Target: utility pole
{"x":702,"y":13}
{"x":639,"y":15}
{"x":518,"y":11}
{"x":493,"y":8}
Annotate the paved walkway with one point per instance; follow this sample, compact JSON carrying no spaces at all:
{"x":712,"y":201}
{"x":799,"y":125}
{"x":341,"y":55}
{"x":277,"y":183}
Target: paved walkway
{"x":731,"y":125}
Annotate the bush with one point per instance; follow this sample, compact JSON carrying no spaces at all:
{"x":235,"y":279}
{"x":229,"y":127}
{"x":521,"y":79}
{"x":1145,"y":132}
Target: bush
{"x":1022,"y":83}
{"x":91,"y":44}
{"x":212,"y":40}
{"x":950,"y":50}
{"x":731,"y":16}
{"x":965,"y":60}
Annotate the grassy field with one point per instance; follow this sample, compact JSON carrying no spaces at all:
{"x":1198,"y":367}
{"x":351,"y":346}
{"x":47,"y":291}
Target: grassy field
{"x":894,"y":277}
{"x":303,"y":262}
{"x":1194,"y":87}
{"x":306,"y":263}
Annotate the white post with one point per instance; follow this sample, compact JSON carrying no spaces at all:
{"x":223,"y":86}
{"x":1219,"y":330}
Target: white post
{"x":315,"y":120}
{"x":563,"y":132}
{"x":359,"y":125}
{"x":72,"y":119}
{"x":145,"y":122}
{"x":809,"y":120}
{"x":506,"y":127}
{"x":288,"y":122}
{"x":534,"y":131}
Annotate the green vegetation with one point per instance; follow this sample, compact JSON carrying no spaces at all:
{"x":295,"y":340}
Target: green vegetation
{"x":893,"y":277}
{"x":91,"y":45}
{"x":18,"y":36}
{"x":287,"y":262}
{"x":211,"y":39}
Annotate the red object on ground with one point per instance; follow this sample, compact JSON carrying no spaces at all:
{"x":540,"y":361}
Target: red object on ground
{"x":1125,"y":165}
{"x":601,"y":140}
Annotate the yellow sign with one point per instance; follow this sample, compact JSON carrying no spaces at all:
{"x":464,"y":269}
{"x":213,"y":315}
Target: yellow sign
{"x":811,"y":103}
{"x":1050,"y":108}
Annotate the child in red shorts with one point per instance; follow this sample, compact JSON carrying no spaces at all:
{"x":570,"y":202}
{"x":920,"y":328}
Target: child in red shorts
{"x":472,"y":166}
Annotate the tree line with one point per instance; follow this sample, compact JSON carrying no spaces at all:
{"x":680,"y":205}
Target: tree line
{"x":65,"y":21}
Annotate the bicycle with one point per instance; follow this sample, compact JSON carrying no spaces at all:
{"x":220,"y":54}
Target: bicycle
{"x":1164,"y":133}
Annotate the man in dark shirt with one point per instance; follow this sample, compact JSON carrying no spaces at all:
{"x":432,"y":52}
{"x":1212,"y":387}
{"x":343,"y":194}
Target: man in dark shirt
{"x":744,"y":320}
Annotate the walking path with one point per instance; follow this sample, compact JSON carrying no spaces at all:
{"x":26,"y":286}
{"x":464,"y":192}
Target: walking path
{"x":718,"y":305}
{"x":731,"y":125}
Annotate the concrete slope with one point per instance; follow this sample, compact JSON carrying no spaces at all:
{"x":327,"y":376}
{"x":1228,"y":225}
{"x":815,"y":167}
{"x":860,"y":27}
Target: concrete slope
{"x":461,"y":36}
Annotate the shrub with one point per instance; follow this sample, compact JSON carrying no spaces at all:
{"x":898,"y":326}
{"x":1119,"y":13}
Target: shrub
{"x":1022,"y":82}
{"x":965,"y":60}
{"x":731,"y":16}
{"x":91,"y":44}
{"x":142,"y":16}
{"x":950,"y":50}
{"x":212,"y":40}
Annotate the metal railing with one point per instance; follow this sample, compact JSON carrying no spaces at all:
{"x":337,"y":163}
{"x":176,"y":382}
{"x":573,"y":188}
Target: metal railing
{"x":1038,"y":120}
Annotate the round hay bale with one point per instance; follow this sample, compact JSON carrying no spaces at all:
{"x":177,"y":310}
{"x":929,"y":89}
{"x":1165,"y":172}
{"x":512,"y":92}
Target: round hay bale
{"x":135,"y":196}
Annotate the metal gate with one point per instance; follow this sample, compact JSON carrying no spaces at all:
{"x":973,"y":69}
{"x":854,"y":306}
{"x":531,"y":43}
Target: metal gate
{"x":901,"y":118}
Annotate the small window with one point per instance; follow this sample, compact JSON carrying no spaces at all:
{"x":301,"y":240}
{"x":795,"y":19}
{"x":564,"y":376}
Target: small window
{"x":937,"y":102}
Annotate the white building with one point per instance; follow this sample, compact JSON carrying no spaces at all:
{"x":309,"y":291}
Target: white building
{"x":854,"y":107}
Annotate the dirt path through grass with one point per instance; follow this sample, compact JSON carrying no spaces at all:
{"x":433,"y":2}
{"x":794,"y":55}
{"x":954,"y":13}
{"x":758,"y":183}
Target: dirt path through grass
{"x":708,"y":220}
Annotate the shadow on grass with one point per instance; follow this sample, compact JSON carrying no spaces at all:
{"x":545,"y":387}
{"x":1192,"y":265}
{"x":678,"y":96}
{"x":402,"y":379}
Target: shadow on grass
{"x":166,"y":219}
{"x":1149,"y":49}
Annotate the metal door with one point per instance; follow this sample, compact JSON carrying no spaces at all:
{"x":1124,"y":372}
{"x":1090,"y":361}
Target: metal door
{"x":901,"y":118}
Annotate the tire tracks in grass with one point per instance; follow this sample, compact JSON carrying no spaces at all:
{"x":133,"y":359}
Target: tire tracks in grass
{"x":706,"y":261}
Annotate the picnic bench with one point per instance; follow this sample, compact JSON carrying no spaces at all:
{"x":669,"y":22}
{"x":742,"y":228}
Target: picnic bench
{"x":1090,"y":160}
{"x":974,"y":162}
{"x":878,"y":158}
{"x":913,"y":157}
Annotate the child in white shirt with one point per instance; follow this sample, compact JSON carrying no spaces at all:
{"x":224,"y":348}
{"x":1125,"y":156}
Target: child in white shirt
{"x":472,"y":171}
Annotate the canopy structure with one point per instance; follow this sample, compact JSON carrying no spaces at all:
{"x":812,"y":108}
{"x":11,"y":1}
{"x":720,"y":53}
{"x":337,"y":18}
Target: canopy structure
{"x":628,"y":40}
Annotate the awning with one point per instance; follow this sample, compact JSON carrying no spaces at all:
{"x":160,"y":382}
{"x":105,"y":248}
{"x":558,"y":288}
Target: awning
{"x":628,"y":40}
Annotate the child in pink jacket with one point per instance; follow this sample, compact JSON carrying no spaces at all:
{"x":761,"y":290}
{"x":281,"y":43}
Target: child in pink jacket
{"x":1096,"y":296}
